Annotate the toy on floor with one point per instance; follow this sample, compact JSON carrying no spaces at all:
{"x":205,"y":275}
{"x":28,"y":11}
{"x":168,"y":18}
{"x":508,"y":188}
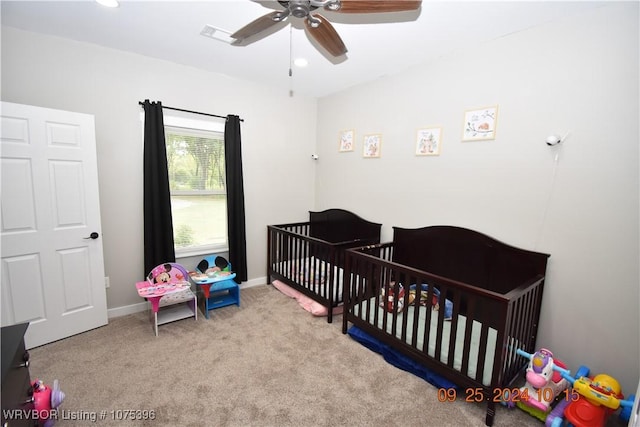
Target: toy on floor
{"x":46,"y":400}
{"x":592,"y":401}
{"x":544,"y":383}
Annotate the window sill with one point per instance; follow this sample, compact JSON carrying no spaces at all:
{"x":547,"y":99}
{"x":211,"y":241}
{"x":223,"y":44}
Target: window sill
{"x":186,"y":253}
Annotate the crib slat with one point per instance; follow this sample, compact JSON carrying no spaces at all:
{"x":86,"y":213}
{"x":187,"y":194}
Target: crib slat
{"x":484,"y":332}
{"x":454,"y":325}
{"x":470,"y":314}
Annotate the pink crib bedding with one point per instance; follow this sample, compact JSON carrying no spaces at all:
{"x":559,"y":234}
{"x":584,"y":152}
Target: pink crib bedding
{"x":305,"y":302}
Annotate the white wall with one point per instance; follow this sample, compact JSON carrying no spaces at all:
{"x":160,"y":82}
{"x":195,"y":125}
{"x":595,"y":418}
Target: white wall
{"x":68,"y":75}
{"x":577,"y":75}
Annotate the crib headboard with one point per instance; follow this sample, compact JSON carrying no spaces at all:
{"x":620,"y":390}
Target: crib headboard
{"x":488,"y":263}
{"x":339,"y":225}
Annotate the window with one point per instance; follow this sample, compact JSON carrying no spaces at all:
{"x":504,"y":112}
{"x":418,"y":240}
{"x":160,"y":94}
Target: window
{"x":196,"y":166}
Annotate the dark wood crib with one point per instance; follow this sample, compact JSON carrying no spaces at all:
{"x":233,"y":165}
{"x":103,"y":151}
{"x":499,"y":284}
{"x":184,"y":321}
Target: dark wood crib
{"x":309,"y":256}
{"x":480,"y":301}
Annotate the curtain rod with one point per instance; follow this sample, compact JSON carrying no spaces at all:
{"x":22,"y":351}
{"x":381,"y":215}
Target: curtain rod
{"x":190,"y":111}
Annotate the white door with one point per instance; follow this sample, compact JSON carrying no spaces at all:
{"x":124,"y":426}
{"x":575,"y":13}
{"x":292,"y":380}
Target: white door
{"x":52,"y":270}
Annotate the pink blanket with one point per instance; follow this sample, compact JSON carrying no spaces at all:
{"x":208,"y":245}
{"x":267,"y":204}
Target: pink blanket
{"x":305,"y":302}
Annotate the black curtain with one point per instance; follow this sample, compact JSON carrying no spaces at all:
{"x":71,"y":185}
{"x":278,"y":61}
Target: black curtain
{"x":158,"y":223}
{"x":235,"y":198}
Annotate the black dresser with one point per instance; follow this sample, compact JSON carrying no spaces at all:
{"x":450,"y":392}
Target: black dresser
{"x":16,"y":383}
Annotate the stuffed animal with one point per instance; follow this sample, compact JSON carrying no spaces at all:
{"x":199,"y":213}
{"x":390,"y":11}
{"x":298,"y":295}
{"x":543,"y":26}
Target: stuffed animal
{"x":435,"y":299}
{"x":388,"y":300}
{"x":424,"y":296}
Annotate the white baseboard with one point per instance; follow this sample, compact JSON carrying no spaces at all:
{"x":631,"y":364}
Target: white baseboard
{"x":127,"y":309}
{"x":142,"y":306}
{"x":254,"y":282}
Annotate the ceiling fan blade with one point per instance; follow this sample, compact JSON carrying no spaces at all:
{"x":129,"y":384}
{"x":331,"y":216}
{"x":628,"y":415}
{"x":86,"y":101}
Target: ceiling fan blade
{"x":258,"y":25}
{"x":324,"y":33}
{"x":375,"y":6}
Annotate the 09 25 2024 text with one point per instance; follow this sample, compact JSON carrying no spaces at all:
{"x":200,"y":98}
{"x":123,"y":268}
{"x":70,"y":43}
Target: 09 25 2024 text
{"x":502,"y":394}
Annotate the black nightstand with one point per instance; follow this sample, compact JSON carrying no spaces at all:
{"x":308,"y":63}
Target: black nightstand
{"x":16,"y":383}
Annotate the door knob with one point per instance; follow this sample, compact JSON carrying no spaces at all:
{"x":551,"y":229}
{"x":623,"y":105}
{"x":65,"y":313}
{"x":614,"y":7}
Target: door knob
{"x":93,"y":235}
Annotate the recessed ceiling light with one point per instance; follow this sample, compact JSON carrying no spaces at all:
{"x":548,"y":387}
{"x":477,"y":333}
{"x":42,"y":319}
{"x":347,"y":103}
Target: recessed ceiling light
{"x":217,"y":34}
{"x":301,"y":62}
{"x":109,"y":3}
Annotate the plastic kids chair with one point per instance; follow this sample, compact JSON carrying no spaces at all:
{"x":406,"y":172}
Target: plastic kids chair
{"x":168,"y":290}
{"x":215,"y":278}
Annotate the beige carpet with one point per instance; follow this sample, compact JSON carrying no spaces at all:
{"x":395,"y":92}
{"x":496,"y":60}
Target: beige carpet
{"x":265,"y":363}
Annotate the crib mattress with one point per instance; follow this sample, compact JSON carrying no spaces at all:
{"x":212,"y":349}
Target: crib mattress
{"x":474,"y":346}
{"x":312,"y":274}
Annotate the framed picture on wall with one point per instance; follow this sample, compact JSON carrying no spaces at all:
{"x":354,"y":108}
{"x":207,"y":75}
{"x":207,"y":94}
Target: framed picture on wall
{"x":428,"y":141}
{"x":371,"y":145}
{"x":480,"y":124}
{"x":346,"y":141}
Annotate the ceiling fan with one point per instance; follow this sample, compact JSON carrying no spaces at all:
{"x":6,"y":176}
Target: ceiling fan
{"x":318,"y":26}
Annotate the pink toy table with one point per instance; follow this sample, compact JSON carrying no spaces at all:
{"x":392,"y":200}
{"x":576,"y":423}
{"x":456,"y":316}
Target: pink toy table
{"x":154,"y":291}
{"x":173,"y":293}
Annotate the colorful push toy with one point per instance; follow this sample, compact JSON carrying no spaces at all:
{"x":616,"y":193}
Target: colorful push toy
{"x":544,"y":383}
{"x":46,"y":400}
{"x":595,"y":399}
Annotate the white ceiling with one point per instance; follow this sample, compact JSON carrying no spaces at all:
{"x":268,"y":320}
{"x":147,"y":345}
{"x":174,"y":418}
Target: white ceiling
{"x":378,"y":44}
